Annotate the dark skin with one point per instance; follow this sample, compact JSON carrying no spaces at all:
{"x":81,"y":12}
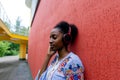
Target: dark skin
{"x":56,"y":45}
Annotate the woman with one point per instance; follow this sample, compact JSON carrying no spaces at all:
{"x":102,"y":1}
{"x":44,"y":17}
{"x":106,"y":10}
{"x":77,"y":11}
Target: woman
{"x":66,"y":65}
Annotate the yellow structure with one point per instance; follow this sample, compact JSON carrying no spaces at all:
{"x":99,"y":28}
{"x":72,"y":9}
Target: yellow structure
{"x":22,"y":54}
{"x":5,"y":34}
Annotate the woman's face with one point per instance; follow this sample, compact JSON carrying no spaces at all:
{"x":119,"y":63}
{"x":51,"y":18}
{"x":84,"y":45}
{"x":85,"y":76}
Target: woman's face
{"x":56,"y":39}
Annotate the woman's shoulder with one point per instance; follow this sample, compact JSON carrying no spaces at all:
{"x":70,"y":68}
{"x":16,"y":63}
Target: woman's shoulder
{"x":71,"y":63}
{"x":74,"y":60}
{"x":74,"y":57}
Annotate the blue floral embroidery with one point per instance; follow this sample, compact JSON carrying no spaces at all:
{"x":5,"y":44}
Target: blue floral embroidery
{"x":63,"y":64}
{"x":55,"y":59}
{"x":70,"y":68}
{"x":74,"y":72}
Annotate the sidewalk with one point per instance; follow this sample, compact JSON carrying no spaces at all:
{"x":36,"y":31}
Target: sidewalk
{"x":11,"y":68}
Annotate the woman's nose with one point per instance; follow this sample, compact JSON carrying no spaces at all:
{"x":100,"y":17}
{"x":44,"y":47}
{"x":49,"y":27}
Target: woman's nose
{"x":51,"y":41}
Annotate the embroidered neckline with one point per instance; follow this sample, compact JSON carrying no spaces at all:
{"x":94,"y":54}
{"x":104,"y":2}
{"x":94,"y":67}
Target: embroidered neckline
{"x":60,"y":61}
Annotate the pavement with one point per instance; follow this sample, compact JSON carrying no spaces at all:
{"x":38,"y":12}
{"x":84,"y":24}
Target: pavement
{"x":11,"y":68}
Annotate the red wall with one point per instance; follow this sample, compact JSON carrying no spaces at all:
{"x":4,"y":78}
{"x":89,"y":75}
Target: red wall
{"x":98,"y":42}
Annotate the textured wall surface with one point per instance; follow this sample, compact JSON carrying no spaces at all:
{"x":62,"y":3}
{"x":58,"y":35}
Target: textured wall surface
{"x":98,"y":42}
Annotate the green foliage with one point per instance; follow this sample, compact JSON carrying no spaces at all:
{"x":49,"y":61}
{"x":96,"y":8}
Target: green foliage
{"x":14,"y":46}
{"x":18,"y":28}
{"x":22,"y":30}
{"x":4,"y":46}
{"x":11,"y":52}
{"x":8,"y":48}
{"x":18,"y":22}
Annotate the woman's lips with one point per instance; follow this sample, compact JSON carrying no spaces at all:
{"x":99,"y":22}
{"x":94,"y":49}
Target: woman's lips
{"x":51,"y":46}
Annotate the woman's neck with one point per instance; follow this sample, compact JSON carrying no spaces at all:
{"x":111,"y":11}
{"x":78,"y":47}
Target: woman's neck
{"x":62,"y":53}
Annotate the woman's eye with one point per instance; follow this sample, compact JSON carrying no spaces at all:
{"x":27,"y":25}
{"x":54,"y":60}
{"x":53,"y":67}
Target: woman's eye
{"x":54,"y":37}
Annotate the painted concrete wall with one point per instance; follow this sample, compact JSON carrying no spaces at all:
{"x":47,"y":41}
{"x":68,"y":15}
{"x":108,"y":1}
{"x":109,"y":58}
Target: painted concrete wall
{"x":98,"y":42}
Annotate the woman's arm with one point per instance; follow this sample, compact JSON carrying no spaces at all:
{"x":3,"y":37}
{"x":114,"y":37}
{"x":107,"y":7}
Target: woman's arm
{"x":46,"y":62}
